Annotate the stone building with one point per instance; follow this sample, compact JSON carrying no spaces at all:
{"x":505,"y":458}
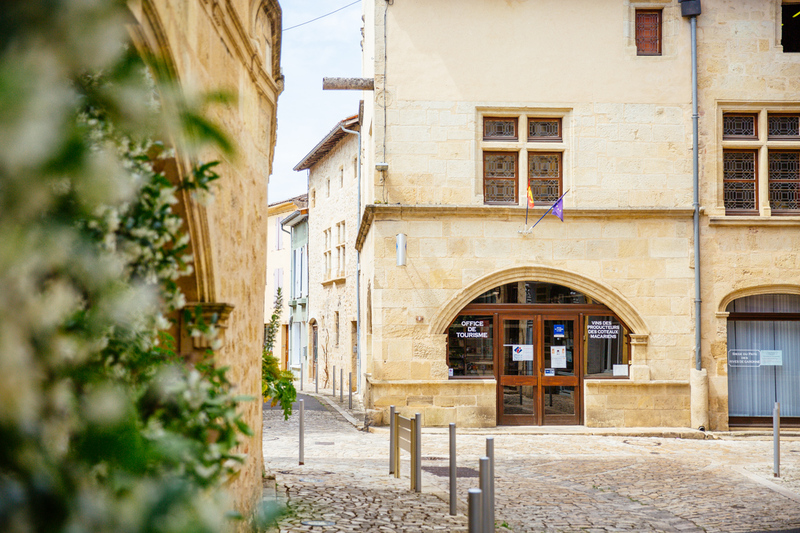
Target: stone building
{"x":235,"y":47}
{"x":297,"y":225}
{"x":483,"y":319}
{"x":333,"y":217}
{"x":279,"y":271}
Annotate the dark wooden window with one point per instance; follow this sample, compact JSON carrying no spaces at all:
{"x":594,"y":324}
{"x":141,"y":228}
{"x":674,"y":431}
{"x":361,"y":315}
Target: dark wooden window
{"x":499,"y":129}
{"x":784,"y":126}
{"x":648,"y":32}
{"x":544,"y":176}
{"x":790,"y":27}
{"x":500,"y":177}
{"x":740,"y":174}
{"x":784,"y":182}
{"x":544,"y":129}
{"x":740,"y":126}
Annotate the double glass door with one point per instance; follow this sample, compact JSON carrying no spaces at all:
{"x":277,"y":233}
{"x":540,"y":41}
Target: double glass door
{"x":538,"y":382}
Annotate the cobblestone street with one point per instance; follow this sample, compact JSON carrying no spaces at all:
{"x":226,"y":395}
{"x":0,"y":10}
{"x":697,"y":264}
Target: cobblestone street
{"x":559,"y":480}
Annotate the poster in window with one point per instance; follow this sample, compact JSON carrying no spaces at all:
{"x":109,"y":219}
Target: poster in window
{"x":521,"y":352}
{"x":558,"y":356}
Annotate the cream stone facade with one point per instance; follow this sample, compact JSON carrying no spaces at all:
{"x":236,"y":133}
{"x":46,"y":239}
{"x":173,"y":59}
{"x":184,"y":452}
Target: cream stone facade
{"x":333,"y":218}
{"x":229,"y":46}
{"x":279,"y":268}
{"x":562,"y":90}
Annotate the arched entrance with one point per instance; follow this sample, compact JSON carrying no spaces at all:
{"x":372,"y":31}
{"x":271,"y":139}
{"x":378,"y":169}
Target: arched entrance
{"x":540,"y":341}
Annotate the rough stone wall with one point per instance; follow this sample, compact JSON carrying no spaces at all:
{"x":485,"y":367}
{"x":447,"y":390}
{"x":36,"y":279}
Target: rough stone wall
{"x":334,"y":187}
{"x":742,"y":67}
{"x":215,"y":46}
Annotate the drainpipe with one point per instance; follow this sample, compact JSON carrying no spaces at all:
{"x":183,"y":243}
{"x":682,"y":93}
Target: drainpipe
{"x":699,"y":377}
{"x":358,"y":265}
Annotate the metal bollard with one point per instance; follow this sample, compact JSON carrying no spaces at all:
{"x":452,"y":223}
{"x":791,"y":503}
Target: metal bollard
{"x":350,"y":390}
{"x":334,"y":381}
{"x":392,"y":429}
{"x":341,"y":385}
{"x":418,"y":465}
{"x":475,"y":504}
{"x":302,"y":431}
{"x":484,"y":480}
{"x":776,"y":440}
{"x":453,"y":487}
{"x":301,"y":376}
{"x":490,"y":488}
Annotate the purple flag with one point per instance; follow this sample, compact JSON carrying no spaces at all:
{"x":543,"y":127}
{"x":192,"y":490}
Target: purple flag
{"x":558,"y":208}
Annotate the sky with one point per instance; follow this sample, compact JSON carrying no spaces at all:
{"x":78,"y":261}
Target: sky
{"x":329,"y":47}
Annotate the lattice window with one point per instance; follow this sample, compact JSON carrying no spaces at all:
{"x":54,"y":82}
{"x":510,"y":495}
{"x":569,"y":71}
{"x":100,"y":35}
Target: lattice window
{"x":784,"y":126}
{"x":500,"y":177}
{"x":500,"y":129}
{"x":540,"y":129}
{"x":648,"y":32}
{"x":737,"y":125}
{"x":739,"y":175}
{"x":784,"y":181}
{"x":544,"y":176}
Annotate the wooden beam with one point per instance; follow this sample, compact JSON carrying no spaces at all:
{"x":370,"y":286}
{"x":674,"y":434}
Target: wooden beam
{"x":348,"y":84}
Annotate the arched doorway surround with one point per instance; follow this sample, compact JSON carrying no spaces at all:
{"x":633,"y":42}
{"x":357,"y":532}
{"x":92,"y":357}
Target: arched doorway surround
{"x":539,"y":333}
{"x":611,"y":298}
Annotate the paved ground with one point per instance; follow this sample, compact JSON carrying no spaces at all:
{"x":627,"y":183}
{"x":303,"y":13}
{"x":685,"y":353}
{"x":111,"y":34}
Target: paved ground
{"x":557,"y":481}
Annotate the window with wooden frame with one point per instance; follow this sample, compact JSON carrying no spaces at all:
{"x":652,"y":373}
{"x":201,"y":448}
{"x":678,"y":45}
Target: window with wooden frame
{"x":740,"y":181}
{"x":648,"y":32}
{"x":500,"y":177}
{"x":500,"y":128}
{"x":544,"y":129}
{"x":544,"y":176}
{"x":772,"y":152}
{"x":740,"y":126}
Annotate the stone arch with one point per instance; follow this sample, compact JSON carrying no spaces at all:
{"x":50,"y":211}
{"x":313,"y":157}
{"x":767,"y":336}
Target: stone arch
{"x":753,"y":291}
{"x":268,"y":13}
{"x":615,"y":301}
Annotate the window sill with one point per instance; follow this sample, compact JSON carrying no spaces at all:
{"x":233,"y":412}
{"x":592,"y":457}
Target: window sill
{"x":751,"y":220}
{"x":331,"y":281}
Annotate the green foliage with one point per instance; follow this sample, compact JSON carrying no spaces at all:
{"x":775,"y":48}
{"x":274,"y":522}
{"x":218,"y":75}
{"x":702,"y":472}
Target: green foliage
{"x":102,"y":426}
{"x":276,"y":385}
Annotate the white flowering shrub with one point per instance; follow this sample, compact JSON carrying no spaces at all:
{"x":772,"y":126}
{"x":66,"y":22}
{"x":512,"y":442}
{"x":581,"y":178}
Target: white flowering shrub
{"x":102,"y":427}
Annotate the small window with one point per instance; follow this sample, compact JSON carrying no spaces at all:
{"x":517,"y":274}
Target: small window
{"x":648,"y":32}
{"x":499,"y":129}
{"x":327,"y":187}
{"x":500,"y":177}
{"x":336,"y":326}
{"x":739,"y":126}
{"x":544,"y":176}
{"x":784,"y":126}
{"x":784,"y":182}
{"x":740,"y":178}
{"x":544,"y":129}
{"x":790,"y":27}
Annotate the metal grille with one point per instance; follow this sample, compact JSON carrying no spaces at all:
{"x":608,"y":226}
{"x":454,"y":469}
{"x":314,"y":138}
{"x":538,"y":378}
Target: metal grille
{"x":739,"y":125}
{"x":739,"y":170}
{"x":784,"y":125}
{"x":648,"y":32}
{"x":544,"y":176}
{"x":544,"y":129}
{"x":500,"y":128}
{"x":784,"y":181}
{"x":500,"y":177}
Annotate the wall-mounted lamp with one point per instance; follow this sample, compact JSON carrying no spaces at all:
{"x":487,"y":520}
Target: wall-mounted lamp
{"x":400,"y":246}
{"x":381,"y":167}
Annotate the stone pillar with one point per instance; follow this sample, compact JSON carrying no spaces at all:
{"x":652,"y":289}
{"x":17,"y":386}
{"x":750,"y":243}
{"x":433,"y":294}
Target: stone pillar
{"x":639,"y":369}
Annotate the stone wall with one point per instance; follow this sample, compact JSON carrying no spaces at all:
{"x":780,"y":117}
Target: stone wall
{"x":232,"y":47}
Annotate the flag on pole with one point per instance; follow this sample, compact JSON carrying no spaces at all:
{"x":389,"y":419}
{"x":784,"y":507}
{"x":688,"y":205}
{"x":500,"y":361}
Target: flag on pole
{"x":530,"y":197}
{"x":558,"y":208}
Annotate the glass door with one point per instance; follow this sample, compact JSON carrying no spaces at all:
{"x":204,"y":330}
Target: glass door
{"x":560,"y":388}
{"x":517,"y":384}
